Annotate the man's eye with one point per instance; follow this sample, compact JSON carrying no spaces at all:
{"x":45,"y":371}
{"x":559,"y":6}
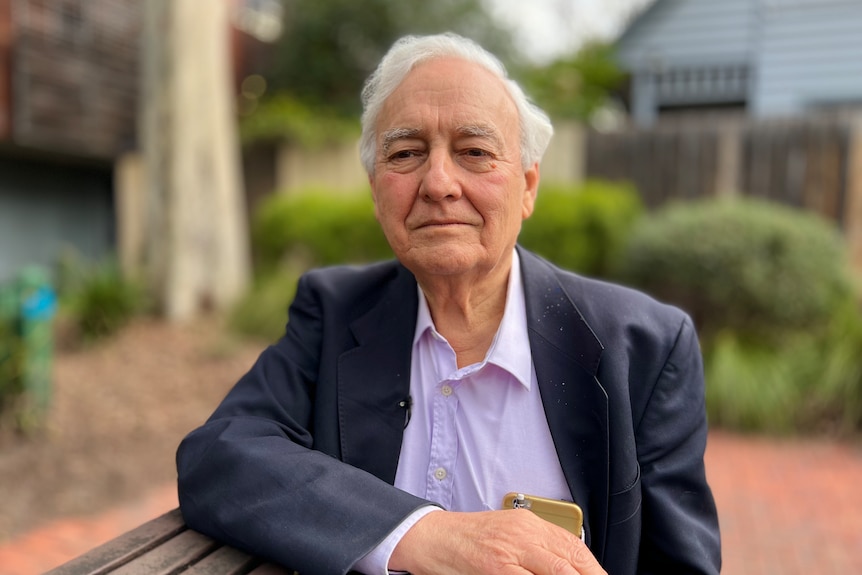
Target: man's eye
{"x":477,"y":153}
{"x":402,"y":155}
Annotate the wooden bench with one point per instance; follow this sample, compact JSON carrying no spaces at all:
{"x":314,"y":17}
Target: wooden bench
{"x":165,"y":546}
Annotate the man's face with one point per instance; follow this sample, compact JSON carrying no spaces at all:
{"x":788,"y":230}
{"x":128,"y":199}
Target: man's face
{"x":449,"y":189}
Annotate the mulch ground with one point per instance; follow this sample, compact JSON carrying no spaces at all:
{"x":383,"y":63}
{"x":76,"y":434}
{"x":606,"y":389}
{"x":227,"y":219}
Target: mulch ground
{"x":119,"y":409}
{"x":104,"y":462}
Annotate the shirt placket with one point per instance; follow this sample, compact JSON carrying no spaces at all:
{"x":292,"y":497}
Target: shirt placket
{"x":444,"y":439}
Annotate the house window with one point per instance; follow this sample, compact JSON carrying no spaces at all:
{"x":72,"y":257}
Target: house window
{"x":702,"y":85}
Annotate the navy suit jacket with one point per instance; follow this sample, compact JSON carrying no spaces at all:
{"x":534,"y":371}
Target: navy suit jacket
{"x":297,"y":463}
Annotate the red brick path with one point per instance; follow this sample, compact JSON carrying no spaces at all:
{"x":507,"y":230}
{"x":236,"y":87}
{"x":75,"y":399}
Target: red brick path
{"x":787,"y":507}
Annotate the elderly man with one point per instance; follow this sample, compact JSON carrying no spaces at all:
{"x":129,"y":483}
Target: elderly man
{"x":406,"y":398}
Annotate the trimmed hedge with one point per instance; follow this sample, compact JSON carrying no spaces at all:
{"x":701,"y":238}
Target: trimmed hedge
{"x":582,"y":228}
{"x":314,"y":228}
{"x":755,"y":268}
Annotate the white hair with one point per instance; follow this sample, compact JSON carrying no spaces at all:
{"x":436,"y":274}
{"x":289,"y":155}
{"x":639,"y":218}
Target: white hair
{"x":408,"y":52}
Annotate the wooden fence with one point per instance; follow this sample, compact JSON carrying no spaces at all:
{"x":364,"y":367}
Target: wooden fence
{"x":813,"y":163}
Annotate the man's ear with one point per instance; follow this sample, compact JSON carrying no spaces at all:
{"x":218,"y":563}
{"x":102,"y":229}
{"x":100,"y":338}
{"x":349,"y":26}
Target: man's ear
{"x":531,"y":188}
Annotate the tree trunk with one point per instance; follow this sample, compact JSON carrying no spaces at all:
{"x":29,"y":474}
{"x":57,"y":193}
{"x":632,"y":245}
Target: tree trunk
{"x":197,"y":252}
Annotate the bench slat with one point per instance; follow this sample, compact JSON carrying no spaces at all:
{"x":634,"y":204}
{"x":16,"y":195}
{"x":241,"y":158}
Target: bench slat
{"x":272,"y":569}
{"x":125,"y":548}
{"x":165,"y":546}
{"x":224,"y":561}
{"x":172,"y":556}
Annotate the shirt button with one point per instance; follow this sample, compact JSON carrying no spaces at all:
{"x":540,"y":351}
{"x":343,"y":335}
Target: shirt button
{"x":446,"y":390}
{"x":440,"y":473}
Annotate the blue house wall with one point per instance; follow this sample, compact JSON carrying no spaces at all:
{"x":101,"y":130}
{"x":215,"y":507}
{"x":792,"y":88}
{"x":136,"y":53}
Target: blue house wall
{"x":46,"y":210}
{"x":768,"y":57}
{"x":68,"y":109}
{"x":809,"y":57}
{"x":674,"y":32}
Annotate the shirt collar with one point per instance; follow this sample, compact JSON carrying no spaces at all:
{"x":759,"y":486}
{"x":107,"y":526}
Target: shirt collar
{"x":510,"y":349}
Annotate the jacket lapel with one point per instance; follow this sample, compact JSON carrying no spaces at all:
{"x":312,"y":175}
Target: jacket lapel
{"x":374,"y":380}
{"x":566,"y":355}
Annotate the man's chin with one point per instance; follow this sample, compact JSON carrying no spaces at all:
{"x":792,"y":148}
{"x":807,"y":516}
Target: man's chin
{"x":448,"y":259}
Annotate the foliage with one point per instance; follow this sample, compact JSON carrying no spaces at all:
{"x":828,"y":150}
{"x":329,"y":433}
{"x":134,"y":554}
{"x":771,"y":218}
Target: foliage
{"x":575,"y":86}
{"x":262,"y":312}
{"x":98,"y":298}
{"x":284,"y":117}
{"x":582,"y":228}
{"x":26,"y":340}
{"x":808,"y":382}
{"x":329,"y":48}
{"x":316,"y":227}
{"x":11,"y":364}
{"x":770,"y":290}
{"x":752,"y":267}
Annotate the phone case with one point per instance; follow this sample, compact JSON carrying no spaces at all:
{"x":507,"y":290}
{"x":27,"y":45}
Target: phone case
{"x":565,"y":514}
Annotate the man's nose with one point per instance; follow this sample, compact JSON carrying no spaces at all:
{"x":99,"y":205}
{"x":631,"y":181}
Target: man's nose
{"x":440,"y":181}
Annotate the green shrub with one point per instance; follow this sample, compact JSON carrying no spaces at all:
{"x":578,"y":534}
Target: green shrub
{"x":756,"y":268}
{"x":284,"y":118}
{"x":835,"y":375}
{"x":262,"y":312}
{"x":748,"y":388}
{"x":11,"y":364}
{"x":811,"y":382}
{"x":98,"y":299}
{"x":314,"y":228}
{"x":582,"y":228}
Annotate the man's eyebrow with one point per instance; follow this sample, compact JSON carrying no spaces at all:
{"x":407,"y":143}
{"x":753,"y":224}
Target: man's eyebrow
{"x":482,"y":131}
{"x":395,"y":134}
{"x":471,"y":130}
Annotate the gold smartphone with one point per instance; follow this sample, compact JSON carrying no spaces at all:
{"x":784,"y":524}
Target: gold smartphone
{"x":565,"y":514}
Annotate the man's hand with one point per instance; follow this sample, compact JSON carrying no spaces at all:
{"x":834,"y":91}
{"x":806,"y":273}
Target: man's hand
{"x":511,"y":542}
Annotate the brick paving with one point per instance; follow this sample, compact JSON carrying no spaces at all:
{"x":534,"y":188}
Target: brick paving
{"x":787,"y":507}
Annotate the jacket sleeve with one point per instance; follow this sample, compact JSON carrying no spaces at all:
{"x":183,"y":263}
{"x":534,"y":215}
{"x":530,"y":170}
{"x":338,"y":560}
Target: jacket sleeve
{"x":252,"y":478}
{"x":680,"y":526}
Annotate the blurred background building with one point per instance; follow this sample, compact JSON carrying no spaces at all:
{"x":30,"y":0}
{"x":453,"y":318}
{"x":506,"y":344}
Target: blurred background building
{"x":118,"y":123}
{"x":118,"y":140}
{"x":762,"y":58}
{"x":68,"y":97}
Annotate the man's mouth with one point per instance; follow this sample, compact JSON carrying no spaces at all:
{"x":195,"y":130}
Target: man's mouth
{"x":442,"y":223}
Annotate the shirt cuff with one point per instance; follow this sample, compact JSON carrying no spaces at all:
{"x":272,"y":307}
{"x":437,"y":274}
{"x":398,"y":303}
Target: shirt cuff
{"x":376,"y":561}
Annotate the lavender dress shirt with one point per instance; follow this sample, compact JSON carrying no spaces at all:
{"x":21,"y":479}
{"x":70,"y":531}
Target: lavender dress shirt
{"x":475,"y":433}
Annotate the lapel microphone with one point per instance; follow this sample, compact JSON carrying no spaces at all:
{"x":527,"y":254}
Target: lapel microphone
{"x":407,"y":404}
